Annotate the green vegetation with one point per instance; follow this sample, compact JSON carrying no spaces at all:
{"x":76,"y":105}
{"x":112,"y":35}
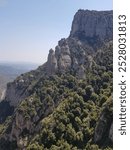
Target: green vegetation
{"x":63,"y":112}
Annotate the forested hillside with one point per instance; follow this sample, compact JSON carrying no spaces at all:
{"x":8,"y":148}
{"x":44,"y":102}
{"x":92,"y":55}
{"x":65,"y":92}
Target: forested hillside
{"x":66,"y":103}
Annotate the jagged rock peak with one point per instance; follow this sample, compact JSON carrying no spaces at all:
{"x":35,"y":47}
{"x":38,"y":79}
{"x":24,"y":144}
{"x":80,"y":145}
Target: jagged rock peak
{"x":59,"y":59}
{"x":51,"y":65}
{"x":90,"y":24}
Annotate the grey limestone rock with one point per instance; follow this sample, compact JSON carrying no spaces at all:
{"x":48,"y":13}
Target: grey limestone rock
{"x":60,"y":59}
{"x":81,"y":72}
{"x":51,"y":63}
{"x":15,"y":92}
{"x":93,"y":24}
{"x":104,"y":127}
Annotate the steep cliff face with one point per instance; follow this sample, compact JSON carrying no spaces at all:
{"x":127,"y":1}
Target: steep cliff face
{"x":93,"y":24}
{"x":18,"y":90}
{"x":90,"y":29}
{"x":66,"y":101}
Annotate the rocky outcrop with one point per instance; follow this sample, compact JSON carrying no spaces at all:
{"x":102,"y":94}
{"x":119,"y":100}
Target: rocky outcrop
{"x":21,"y":126}
{"x":81,"y":72}
{"x":60,"y":59}
{"x":26,"y":123}
{"x":63,"y":55}
{"x":51,"y":65}
{"x":104,"y":129}
{"x":2,"y":94}
{"x":20,"y":88}
{"x":93,"y":24}
{"x":70,"y":53}
{"x":15,"y":93}
{"x":91,"y":27}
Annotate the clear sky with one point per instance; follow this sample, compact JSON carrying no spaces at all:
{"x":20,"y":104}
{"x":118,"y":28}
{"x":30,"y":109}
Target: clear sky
{"x":29,"y":28}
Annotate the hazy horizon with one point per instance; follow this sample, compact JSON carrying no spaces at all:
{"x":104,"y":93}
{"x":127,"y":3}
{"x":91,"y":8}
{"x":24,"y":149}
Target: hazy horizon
{"x":30,"y":28}
{"x":19,"y":62}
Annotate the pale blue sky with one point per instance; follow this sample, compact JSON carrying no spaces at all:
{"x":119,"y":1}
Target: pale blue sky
{"x":29,"y":28}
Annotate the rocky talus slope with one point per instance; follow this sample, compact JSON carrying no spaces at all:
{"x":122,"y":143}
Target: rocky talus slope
{"x":66,"y":103}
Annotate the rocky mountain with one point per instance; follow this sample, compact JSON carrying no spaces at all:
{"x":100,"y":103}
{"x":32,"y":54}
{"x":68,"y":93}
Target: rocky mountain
{"x":92,"y":24}
{"x":65,"y":103}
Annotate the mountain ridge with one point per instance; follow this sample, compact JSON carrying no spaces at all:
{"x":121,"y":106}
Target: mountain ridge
{"x":76,"y":81}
